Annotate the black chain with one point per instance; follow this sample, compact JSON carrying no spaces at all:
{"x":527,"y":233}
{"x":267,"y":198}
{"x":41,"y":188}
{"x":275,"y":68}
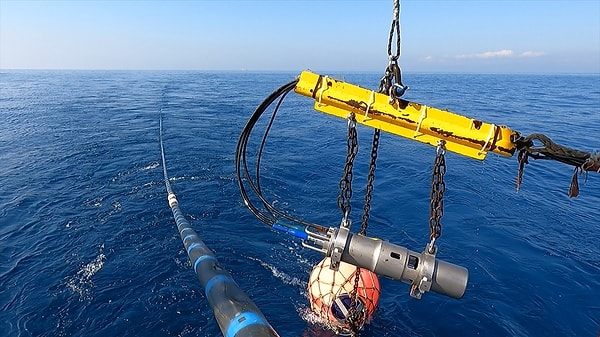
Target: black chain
{"x":356,"y":317}
{"x":345,"y":196}
{"x":370,"y":180}
{"x":438,"y":187}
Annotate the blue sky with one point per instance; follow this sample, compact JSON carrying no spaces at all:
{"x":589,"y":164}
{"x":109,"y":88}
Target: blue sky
{"x":533,"y":36}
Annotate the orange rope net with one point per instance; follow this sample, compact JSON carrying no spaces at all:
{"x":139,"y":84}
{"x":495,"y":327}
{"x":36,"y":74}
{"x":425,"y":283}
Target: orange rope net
{"x":330,"y":294}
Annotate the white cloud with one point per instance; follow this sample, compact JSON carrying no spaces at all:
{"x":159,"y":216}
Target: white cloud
{"x":487,"y":54}
{"x":532,"y":54}
{"x":504,"y":53}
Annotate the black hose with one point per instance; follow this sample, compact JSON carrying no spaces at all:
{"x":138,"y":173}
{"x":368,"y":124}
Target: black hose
{"x":270,"y":214}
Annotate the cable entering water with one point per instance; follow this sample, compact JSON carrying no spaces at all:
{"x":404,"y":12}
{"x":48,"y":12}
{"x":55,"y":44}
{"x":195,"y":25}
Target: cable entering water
{"x":234,"y":311}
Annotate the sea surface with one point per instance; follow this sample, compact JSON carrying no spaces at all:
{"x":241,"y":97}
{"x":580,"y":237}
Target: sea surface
{"x":89,"y":247}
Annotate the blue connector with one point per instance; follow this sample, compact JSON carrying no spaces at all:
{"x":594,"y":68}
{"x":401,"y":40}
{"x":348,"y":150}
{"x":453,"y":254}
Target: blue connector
{"x":290,"y":229}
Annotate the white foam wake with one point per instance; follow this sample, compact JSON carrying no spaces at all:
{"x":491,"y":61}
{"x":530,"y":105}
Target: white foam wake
{"x":82,"y":283}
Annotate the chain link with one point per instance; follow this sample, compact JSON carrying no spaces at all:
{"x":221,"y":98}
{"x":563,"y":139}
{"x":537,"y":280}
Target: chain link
{"x":438,"y":187}
{"x":345,"y":196}
{"x":370,"y":180}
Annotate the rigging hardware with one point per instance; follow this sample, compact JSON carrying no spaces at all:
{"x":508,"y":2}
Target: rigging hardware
{"x":391,"y":82}
{"x":581,"y":160}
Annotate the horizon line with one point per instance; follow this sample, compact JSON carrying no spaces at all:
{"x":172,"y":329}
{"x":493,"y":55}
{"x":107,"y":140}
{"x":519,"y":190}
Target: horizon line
{"x":348,"y":71}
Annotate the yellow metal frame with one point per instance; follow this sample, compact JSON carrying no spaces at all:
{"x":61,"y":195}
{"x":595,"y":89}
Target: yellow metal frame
{"x":463,"y":135}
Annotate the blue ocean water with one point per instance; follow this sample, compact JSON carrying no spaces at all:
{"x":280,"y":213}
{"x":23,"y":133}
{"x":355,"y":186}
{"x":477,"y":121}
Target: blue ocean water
{"x":88,"y":245}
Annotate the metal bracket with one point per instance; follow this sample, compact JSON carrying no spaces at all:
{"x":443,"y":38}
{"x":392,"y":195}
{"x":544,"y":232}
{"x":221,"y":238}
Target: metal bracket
{"x":321,"y":240}
{"x":338,"y":245}
{"x":422,"y":283}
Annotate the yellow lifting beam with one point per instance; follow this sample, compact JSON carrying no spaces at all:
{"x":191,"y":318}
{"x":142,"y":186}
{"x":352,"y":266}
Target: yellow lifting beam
{"x":463,"y":135}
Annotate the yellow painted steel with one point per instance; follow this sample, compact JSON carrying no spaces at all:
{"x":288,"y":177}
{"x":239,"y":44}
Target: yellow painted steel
{"x":463,"y":135}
